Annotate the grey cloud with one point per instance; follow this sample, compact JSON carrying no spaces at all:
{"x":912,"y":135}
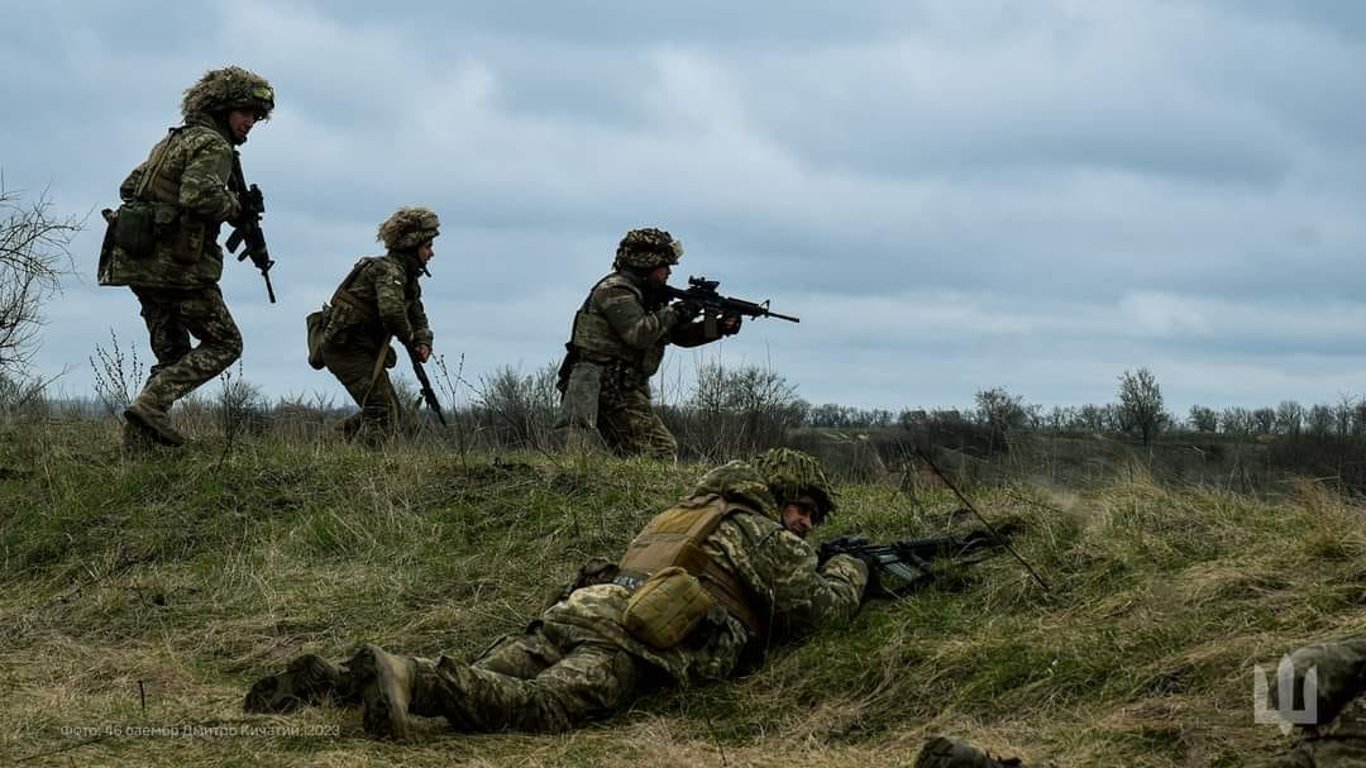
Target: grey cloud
{"x":952,"y":195}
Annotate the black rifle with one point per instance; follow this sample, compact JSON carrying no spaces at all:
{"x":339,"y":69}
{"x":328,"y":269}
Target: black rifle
{"x":702,"y":292}
{"x":425,"y":384}
{"x":902,"y":567}
{"x":247,"y":228}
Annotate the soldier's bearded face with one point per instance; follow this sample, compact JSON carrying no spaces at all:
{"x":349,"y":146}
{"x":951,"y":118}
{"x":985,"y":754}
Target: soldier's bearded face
{"x":240,"y":122}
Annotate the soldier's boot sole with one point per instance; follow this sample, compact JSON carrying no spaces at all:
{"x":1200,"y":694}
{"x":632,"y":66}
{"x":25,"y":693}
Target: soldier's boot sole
{"x":385,"y":684}
{"x":155,"y":422}
{"x":941,"y":752}
{"x":308,"y":680}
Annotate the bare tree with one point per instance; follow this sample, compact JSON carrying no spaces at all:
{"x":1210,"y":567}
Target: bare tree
{"x":33,"y":258}
{"x":1289,"y":417}
{"x":1140,"y":404}
{"x":1203,"y":418}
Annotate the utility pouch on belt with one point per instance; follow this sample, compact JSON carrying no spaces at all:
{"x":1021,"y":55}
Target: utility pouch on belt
{"x":317,"y":323}
{"x":135,"y":228}
{"x":668,"y":606}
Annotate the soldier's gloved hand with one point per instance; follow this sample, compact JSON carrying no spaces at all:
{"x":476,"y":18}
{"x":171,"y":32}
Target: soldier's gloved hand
{"x":730,"y":325}
{"x":686,"y":311}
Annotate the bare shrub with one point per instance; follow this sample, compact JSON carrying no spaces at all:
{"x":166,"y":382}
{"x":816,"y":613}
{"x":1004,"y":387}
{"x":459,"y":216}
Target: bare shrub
{"x":735,"y":412}
{"x":33,"y":258}
{"x":117,"y":376}
{"x":515,"y":410}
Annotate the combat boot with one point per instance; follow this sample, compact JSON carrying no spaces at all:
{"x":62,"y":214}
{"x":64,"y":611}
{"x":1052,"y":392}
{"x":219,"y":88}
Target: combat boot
{"x":155,"y":421}
{"x":941,"y":752}
{"x":308,"y":680}
{"x":384,"y":683}
{"x":137,"y":441}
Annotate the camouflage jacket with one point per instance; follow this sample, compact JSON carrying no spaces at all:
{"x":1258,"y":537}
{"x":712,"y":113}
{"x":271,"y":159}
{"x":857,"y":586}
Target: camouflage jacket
{"x":617,"y":324}
{"x":380,"y":298}
{"x":777,"y":568}
{"x":190,"y":171}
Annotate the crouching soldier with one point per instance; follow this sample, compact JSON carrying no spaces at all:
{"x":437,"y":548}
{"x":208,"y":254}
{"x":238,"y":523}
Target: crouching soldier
{"x":380,"y":299}
{"x":699,"y":593}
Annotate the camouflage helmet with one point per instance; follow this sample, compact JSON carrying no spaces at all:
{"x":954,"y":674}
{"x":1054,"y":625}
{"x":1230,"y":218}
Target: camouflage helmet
{"x":648,"y":248}
{"x":226,"y":89}
{"x":795,"y":477}
{"x":409,"y":228}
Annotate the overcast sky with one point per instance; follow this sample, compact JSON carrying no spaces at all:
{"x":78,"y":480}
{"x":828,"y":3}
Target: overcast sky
{"x":952,"y":194}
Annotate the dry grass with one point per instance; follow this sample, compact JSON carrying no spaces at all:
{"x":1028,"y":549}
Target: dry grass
{"x":176,"y":582}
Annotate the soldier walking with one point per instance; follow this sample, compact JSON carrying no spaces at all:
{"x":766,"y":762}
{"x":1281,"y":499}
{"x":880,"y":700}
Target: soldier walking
{"x":163,"y":243}
{"x":378,"y":300}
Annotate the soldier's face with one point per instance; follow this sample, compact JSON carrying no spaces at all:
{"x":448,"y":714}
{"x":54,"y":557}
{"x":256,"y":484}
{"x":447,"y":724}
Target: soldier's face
{"x":798,"y":519}
{"x":425,"y":252}
{"x":659,"y":275}
{"x":240,"y":122}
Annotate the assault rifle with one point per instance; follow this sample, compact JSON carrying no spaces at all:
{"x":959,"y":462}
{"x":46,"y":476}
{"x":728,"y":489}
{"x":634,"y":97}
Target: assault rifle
{"x":902,"y":567}
{"x":247,"y":228}
{"x":425,"y":384}
{"x":702,"y":292}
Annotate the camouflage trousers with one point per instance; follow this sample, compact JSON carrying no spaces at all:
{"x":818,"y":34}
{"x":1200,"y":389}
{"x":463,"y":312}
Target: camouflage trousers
{"x":628,"y":423}
{"x":172,"y":316}
{"x":547,"y":679}
{"x":354,"y":367}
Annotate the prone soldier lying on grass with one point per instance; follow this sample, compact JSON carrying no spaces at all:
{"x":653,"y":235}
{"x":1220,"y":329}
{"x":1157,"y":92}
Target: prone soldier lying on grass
{"x":698,"y":595}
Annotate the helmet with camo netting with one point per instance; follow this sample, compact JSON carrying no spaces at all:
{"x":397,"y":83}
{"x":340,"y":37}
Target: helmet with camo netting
{"x":226,"y":89}
{"x":797,"y":478}
{"x":648,"y":248}
{"x":409,"y":228}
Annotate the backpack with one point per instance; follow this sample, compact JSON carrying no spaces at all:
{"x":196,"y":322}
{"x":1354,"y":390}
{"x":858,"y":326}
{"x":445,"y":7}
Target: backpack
{"x":318,"y":335}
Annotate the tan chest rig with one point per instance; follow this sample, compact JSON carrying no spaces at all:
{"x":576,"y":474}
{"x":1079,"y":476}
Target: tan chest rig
{"x":675,"y":582}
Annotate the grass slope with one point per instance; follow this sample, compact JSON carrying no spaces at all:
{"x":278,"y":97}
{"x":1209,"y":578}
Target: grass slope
{"x":140,"y":599}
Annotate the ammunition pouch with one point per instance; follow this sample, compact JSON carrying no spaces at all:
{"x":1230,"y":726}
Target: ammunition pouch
{"x":143,"y":231}
{"x":666,"y":608}
{"x":135,"y":228}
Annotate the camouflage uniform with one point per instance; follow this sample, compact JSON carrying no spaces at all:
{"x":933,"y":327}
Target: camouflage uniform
{"x":185,"y":178}
{"x":579,"y":661}
{"x":380,"y":299}
{"x":618,"y":342}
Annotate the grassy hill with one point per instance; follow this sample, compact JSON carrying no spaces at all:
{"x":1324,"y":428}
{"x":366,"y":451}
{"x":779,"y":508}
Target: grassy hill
{"x":140,"y":599}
